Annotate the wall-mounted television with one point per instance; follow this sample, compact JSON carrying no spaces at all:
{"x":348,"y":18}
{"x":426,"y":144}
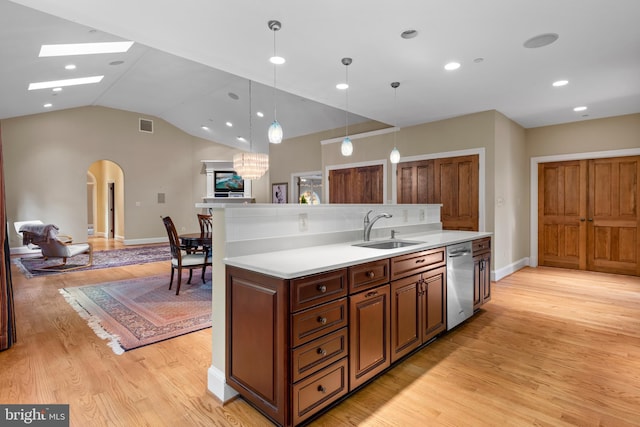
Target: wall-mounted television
{"x":228,"y":182}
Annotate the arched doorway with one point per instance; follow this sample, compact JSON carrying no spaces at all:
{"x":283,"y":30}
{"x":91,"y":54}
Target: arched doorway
{"x":105,"y":200}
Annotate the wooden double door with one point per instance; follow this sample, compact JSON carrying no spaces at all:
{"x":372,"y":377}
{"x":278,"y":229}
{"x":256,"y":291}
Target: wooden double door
{"x":451,"y":181}
{"x":588,"y":215}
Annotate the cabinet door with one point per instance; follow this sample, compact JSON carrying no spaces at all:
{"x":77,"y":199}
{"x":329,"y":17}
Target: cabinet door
{"x":369,"y":344}
{"x":257,"y":325}
{"x":486,"y":277}
{"x":405,"y":316}
{"x":434,"y":301}
{"x":477,"y":281}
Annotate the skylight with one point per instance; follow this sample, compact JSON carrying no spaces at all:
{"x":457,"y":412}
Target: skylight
{"x":83,"y":48}
{"x":68,"y":82}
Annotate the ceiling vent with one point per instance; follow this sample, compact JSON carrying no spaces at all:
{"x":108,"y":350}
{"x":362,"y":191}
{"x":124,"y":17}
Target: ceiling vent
{"x":146,"y":126}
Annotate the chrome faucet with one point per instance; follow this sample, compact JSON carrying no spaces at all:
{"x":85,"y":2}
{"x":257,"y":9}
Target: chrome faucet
{"x":368,"y":223}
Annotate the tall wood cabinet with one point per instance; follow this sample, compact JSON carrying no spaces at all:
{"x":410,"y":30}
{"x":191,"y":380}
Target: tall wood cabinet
{"x":481,"y":271}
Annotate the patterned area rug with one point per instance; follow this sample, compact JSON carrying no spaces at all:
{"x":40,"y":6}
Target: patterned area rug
{"x":137,"y":312}
{"x":101,"y":259}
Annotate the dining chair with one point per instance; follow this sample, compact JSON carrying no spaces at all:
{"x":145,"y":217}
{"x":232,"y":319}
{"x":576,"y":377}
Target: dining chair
{"x":206,"y":227}
{"x":181,"y":259}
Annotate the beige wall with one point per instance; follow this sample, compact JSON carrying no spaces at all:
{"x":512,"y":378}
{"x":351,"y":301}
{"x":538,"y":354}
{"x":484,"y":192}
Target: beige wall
{"x":614,"y":133}
{"x":46,"y":158}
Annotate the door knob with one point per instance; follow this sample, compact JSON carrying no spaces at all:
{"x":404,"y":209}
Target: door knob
{"x":581,"y":219}
{"x":590,"y":219}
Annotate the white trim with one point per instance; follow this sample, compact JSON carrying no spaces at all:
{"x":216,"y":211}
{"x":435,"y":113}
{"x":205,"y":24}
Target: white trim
{"x":325,"y":178}
{"x":146,"y":241}
{"x":533,"y":192}
{"x":360,"y":135}
{"x":216,"y":384}
{"x":481,"y":176}
{"x":509,"y":269}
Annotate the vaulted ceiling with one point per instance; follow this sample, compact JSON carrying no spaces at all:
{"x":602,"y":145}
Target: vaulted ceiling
{"x":192,"y":59}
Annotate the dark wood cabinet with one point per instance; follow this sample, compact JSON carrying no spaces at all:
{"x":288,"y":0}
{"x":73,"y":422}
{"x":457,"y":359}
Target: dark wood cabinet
{"x":418,"y":301}
{"x":297,"y":346}
{"x":369,"y":328}
{"x":481,"y":271}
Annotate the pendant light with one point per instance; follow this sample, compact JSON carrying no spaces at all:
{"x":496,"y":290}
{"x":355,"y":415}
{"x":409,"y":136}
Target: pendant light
{"x":394,"y":157}
{"x":347,"y":146}
{"x":275,"y":130}
{"x":250,"y":165}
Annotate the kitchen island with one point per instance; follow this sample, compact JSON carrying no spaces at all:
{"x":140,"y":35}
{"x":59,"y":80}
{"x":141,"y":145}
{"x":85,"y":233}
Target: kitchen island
{"x":306,"y":327}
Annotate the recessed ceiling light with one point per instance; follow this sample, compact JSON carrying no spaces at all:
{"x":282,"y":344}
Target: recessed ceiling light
{"x":47,"y":50}
{"x":342,"y":86}
{"x":409,"y":34}
{"x":260,"y":114}
{"x":560,"y":83}
{"x":277,"y":60}
{"x":57,"y":89}
{"x":241,"y":139}
{"x":204,"y":127}
{"x":68,"y":82}
{"x":452,"y":66}
{"x":70,"y":67}
{"x":48,"y":105}
{"x":540,"y":40}
{"x":581,"y":108}
{"x":229,"y":124}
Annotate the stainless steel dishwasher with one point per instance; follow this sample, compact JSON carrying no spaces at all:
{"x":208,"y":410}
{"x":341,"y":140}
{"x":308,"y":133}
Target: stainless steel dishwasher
{"x":459,"y":283}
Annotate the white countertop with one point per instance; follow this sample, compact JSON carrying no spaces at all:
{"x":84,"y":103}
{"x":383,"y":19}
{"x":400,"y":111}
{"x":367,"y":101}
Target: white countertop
{"x":293,"y":263}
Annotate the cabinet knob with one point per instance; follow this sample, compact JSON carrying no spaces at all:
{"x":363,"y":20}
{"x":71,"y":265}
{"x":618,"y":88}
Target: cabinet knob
{"x":581,"y":219}
{"x":371,"y":274}
{"x":590,"y":220}
{"x":322,"y":320}
{"x":322,"y":288}
{"x":322,"y":351}
{"x":322,"y":389}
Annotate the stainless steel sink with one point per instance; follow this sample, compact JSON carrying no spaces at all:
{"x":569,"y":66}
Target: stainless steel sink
{"x":388,"y":244}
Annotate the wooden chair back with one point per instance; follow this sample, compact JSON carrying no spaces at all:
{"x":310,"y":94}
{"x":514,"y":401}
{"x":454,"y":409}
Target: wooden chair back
{"x":206,"y":224}
{"x":174,"y":240}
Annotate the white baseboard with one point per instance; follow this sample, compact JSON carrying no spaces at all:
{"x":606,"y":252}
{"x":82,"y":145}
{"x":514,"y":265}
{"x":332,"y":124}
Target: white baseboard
{"x":217,"y":385}
{"x":509,"y":269}
{"x":146,"y":241}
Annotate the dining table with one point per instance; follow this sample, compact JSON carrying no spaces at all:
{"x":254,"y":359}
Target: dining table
{"x":196,"y":240}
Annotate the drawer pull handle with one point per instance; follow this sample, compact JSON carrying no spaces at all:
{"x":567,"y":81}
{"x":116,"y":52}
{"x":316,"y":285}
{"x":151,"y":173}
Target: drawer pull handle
{"x":371,"y":294}
{"x":322,"y":289}
{"x":322,"y":389}
{"x":371,"y":274}
{"x":322,"y":351}
{"x":420,"y":261}
{"x":322,"y":320}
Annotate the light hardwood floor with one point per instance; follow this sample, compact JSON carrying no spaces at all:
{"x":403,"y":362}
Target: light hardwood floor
{"x":553,"y":348}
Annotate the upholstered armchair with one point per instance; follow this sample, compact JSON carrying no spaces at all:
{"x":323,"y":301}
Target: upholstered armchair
{"x":46,"y":237}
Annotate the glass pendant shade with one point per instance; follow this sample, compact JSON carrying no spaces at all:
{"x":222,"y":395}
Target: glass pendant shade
{"x":275,"y":133}
{"x":347,"y":146}
{"x":394,"y":156}
{"x":251,"y":165}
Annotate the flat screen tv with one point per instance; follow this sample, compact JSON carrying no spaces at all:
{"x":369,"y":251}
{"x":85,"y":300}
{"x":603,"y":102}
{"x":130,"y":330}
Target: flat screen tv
{"x":228,"y":182}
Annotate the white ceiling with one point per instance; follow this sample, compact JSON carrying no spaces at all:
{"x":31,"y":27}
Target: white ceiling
{"x":189,"y":55}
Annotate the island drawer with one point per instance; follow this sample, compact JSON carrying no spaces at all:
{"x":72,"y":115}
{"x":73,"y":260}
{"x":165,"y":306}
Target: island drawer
{"x":317,"y":289}
{"x":481,"y":246}
{"x":313,"y":323}
{"x":368,"y":275}
{"x":319,"y":353}
{"x":319,"y":390}
{"x":417,"y":262}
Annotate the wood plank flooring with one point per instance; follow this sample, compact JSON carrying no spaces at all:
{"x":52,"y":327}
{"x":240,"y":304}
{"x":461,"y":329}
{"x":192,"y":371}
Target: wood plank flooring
{"x":554,"y":347}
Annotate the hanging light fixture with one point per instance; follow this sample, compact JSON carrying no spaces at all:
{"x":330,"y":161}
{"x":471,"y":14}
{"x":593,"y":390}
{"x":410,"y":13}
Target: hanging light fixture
{"x":394,"y":157}
{"x":347,"y":146}
{"x":275,"y":130}
{"x":250,"y":165}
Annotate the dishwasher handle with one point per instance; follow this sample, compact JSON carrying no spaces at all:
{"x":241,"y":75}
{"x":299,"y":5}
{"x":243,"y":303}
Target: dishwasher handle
{"x":459,"y":254}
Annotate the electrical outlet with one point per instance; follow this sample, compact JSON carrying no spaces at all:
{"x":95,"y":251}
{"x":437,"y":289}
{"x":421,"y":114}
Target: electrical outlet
{"x":421,"y":215}
{"x":303,"y":222}
{"x":405,"y":215}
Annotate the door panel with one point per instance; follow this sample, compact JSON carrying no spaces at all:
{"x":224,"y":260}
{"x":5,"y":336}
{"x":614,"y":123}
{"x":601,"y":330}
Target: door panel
{"x":356,"y":185}
{"x":562,"y":205}
{"x":613,"y":243}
